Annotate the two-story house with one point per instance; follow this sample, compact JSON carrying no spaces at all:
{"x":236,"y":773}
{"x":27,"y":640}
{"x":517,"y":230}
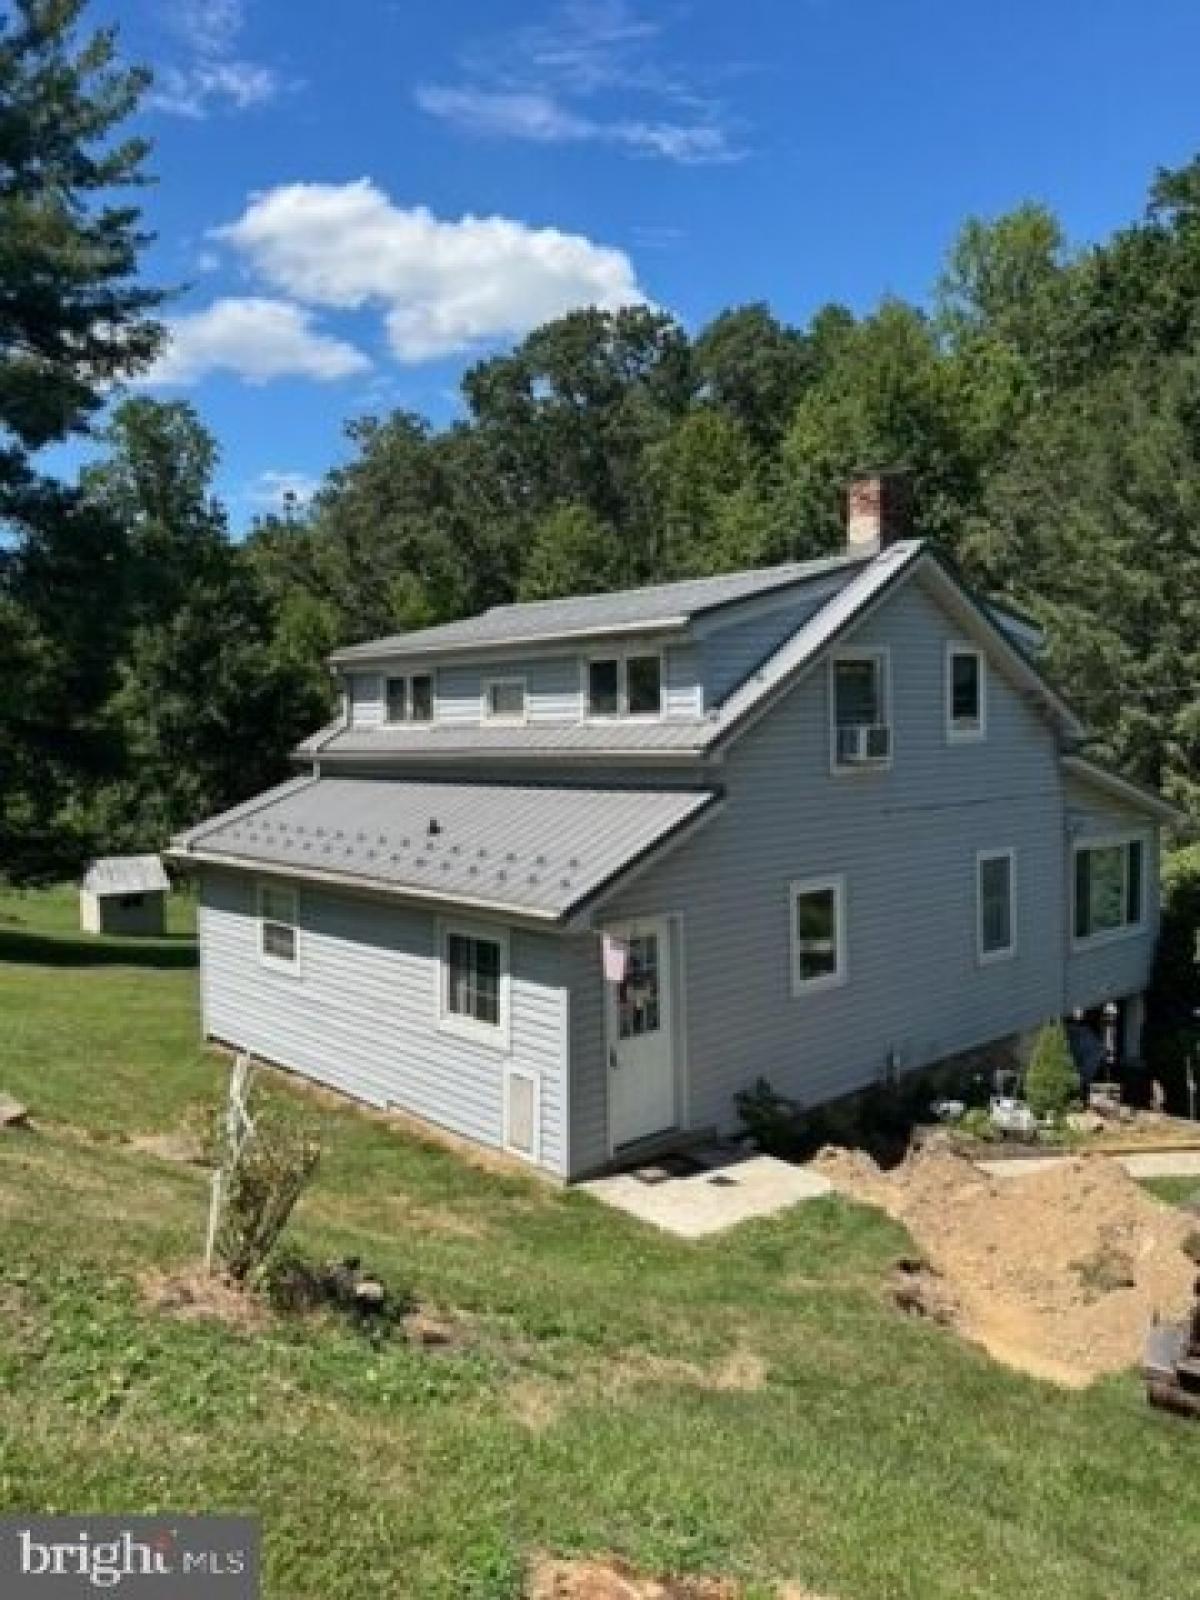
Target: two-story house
{"x":566,"y":876}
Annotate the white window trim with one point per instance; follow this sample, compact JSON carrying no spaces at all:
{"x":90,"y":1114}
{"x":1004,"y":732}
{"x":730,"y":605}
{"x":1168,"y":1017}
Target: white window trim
{"x":485,"y":698}
{"x":987,"y":958}
{"x":410,"y":721}
{"x":1128,"y":930}
{"x":266,"y":959}
{"x":534,"y":1155}
{"x":830,"y":980}
{"x":957,"y":733}
{"x":881,"y":653}
{"x":496,"y":1037}
{"x":621,"y":656}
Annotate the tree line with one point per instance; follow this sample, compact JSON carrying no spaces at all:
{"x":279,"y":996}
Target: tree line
{"x":153,"y":669}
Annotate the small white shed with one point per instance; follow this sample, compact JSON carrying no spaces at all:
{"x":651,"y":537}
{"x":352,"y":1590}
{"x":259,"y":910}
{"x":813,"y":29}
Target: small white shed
{"x":124,"y":894}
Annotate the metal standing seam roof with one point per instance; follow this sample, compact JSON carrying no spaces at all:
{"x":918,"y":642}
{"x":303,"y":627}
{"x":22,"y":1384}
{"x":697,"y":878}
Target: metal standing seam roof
{"x":662,"y":605}
{"x":531,"y":849}
{"x":126,"y":875}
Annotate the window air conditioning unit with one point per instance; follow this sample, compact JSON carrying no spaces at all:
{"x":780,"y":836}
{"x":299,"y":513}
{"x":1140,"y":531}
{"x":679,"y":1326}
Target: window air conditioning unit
{"x":863,"y":744}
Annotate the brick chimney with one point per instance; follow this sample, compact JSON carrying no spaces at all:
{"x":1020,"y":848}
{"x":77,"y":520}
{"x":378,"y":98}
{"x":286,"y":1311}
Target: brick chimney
{"x":877,"y":507}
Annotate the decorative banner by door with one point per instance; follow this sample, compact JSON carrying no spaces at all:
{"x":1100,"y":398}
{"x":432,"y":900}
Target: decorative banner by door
{"x":616,"y":959}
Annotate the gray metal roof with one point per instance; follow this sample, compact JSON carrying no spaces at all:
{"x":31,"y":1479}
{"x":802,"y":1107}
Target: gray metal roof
{"x":126,"y":875}
{"x":533,"y":739}
{"x":659,"y":606}
{"x":530,"y":849}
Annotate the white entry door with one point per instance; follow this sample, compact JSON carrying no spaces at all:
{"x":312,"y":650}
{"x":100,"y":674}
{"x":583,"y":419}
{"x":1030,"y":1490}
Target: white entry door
{"x":640,"y":1033}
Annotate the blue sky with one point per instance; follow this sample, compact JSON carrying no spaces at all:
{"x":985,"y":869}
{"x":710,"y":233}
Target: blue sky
{"x":363,"y":198}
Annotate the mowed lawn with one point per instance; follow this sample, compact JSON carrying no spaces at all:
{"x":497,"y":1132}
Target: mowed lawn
{"x":752,"y":1406}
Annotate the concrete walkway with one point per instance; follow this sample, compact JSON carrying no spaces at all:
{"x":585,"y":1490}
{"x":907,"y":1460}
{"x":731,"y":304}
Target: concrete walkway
{"x":730,"y":1188}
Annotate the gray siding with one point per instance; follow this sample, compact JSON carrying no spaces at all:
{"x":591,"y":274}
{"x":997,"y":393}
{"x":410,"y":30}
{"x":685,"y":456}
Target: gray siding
{"x":730,"y":652}
{"x":360,"y":1013}
{"x":1121,"y":966}
{"x":906,"y":841}
{"x":551,"y":688}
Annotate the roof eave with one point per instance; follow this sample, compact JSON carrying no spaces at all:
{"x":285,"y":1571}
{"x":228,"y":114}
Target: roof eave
{"x":374,"y":653}
{"x":1122,"y":788}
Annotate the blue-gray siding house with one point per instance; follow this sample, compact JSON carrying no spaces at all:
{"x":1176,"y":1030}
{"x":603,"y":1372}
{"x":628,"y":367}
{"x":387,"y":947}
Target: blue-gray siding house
{"x":563,"y":878}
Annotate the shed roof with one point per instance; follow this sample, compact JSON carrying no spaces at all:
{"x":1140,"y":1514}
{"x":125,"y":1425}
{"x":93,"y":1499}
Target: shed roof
{"x":532,"y":849}
{"x":126,"y":875}
{"x":660,"y":606}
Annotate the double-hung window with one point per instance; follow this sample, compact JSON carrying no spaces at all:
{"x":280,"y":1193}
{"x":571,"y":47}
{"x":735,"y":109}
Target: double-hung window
{"x":859,"y":702}
{"x":504,"y":700}
{"x":277,"y":936}
{"x":1108,"y":888}
{"x":966,"y":693}
{"x":474,"y":982}
{"x":624,"y":686}
{"x":996,"y":904}
{"x":818,"y":934}
{"x":409,"y":697}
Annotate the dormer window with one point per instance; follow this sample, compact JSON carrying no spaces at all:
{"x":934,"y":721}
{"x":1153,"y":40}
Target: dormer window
{"x":504,"y":700}
{"x":861,"y":734}
{"x":624,"y":686}
{"x":410,"y":697}
{"x":966,"y":693}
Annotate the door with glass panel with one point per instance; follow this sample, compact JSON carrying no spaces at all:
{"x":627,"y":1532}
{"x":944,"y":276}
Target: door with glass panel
{"x":640,"y":1034}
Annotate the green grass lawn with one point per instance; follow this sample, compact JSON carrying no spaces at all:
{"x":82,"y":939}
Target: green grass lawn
{"x":750,"y":1406}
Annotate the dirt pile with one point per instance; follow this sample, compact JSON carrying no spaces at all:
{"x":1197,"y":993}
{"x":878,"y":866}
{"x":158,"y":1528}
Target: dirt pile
{"x":1057,"y":1271}
{"x":614,"y":1580}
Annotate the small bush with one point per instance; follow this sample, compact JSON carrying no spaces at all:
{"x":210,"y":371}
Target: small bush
{"x":262,"y":1187}
{"x":776,"y":1124}
{"x":1052,"y":1081}
{"x":299,"y":1286}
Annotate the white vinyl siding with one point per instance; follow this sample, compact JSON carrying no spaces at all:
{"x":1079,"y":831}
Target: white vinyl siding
{"x":996,"y":905}
{"x":364,"y":1019}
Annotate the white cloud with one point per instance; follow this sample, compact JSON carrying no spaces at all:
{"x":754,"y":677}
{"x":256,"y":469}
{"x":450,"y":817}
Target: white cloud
{"x":445,"y":286}
{"x":542,"y":84}
{"x":541,"y":118}
{"x":210,"y":27}
{"x":213,"y":77}
{"x":273,"y":490}
{"x":211,"y":86}
{"x":258,"y":339}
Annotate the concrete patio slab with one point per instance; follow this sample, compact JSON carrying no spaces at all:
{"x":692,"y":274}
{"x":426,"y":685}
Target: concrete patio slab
{"x":729,"y":1188}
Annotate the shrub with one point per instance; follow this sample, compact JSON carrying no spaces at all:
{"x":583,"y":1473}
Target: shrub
{"x":775,"y":1123}
{"x":1172,"y":999}
{"x":1051,"y":1081}
{"x":262,"y":1187}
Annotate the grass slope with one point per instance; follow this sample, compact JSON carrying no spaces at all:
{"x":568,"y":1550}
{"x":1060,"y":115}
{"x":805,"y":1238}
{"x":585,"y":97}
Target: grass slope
{"x":749,"y":1406}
